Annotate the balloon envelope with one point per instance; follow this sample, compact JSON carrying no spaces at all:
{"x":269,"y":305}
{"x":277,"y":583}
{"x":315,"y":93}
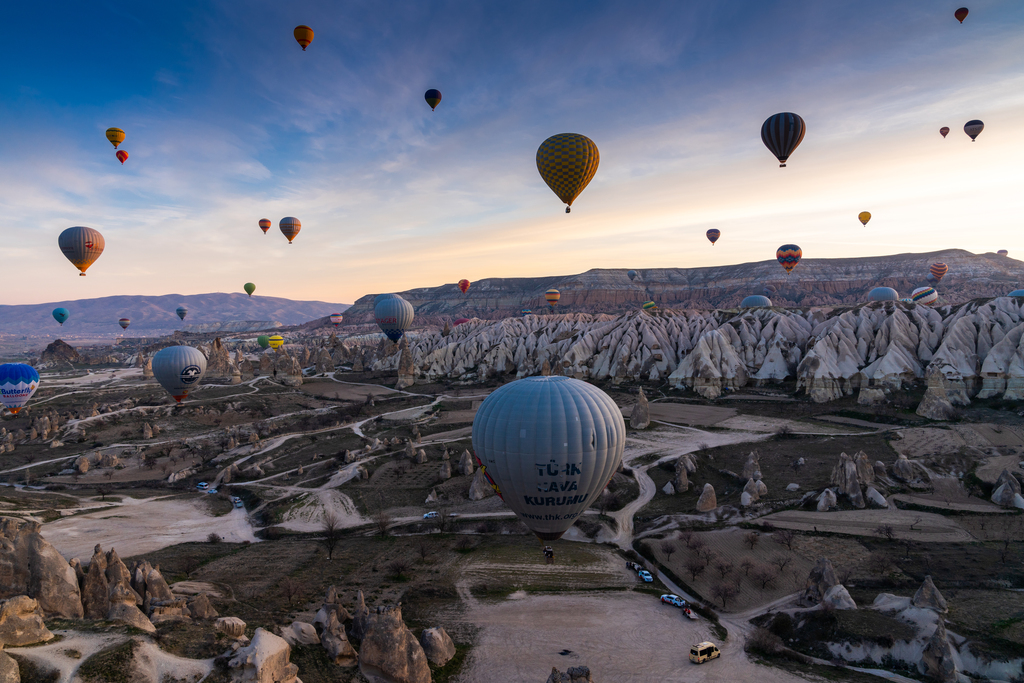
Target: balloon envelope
{"x":552,"y":296}
{"x":264,"y":341}
{"x":548,"y":446}
{"x":864,"y":217}
{"x":303,"y":35}
{"x":459,"y":321}
{"x":82,"y":246}
{"x":782,"y":134}
{"x":769,"y":290}
{"x":1016,"y":292}
{"x":393,"y":316}
{"x":433,"y":98}
{"x":265,"y":225}
{"x":122,"y":156}
{"x":124,"y":323}
{"x":115,"y":135}
{"x":17,"y":384}
{"x":249,"y":288}
{"x":380,"y":297}
{"x":336,"y":319}
{"x":631,"y":274}
{"x":61,"y":315}
{"x":974,"y":128}
{"x":276,"y":341}
{"x":525,"y":312}
{"x":649,"y":306}
{"x":789,"y":255}
{"x":463,"y":285}
{"x":182,"y":311}
{"x":944,"y":131}
{"x":883,"y":294}
{"x":924,"y":295}
{"x":961,"y":14}
{"x":179,"y":369}
{"x":567,"y":162}
{"x":290,"y":227}
{"x":713,"y":235}
{"x":1003,"y":252}
{"x":755,"y":301}
{"x":937,"y":270}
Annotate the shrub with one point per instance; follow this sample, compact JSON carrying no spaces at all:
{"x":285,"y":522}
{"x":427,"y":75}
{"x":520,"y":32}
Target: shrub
{"x":763,"y":642}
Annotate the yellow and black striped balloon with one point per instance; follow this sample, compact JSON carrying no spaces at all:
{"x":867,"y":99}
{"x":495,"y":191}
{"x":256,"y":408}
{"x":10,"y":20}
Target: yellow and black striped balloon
{"x":567,"y":162}
{"x":115,"y":135}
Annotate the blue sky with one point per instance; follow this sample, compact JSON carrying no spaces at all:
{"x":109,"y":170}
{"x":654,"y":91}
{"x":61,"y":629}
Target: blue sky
{"x":229,"y":121}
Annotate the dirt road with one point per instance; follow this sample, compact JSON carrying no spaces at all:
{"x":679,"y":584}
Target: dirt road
{"x":926,"y":526}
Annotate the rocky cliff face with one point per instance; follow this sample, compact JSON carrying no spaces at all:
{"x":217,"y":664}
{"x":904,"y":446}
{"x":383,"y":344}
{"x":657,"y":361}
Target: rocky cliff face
{"x":815,"y":282}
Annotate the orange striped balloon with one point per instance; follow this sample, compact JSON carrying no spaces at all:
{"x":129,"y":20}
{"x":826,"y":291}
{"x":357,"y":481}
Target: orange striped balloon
{"x":265,"y":225}
{"x":304,"y":35}
{"x":938,"y":270}
{"x":552,"y":296}
{"x":290,"y":227}
{"x":789,"y":255}
{"x":463,"y":285}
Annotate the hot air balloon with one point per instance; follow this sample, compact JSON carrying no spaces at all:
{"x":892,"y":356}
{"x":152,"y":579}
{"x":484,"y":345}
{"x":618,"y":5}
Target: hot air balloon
{"x":17,"y":384}
{"x":631,"y":274}
{"x":567,"y":162}
{"x":122,"y":156}
{"x":463,"y":286}
{"x":81,"y":246}
{"x":182,"y":311}
{"x":1016,"y":292}
{"x":380,"y":297}
{"x":769,"y":290}
{"x":789,"y":255}
{"x":931,"y":278}
{"x":249,"y":288}
{"x":864,"y":217}
{"x":649,"y":306}
{"x":755,"y":301}
{"x":1003,"y":252}
{"x":290,"y":227}
{"x":336,"y":319}
{"x":433,"y":98}
{"x":938,"y":270}
{"x":961,"y":14}
{"x":393,"y":316}
{"x":924,"y":295}
{"x":276,"y":341}
{"x":264,"y":341}
{"x":906,"y":300}
{"x":116,"y":136}
{"x":974,"y":128}
{"x":548,"y":446}
{"x":782,"y":134}
{"x":552,"y":296}
{"x":459,"y":321}
{"x":265,"y":225}
{"x":944,"y":131}
{"x":713,"y":235}
{"x":179,"y":369}
{"x":883,"y":294}
{"x":61,"y":315}
{"x":124,"y":323}
{"x":304,"y":36}
{"x":525,"y":312}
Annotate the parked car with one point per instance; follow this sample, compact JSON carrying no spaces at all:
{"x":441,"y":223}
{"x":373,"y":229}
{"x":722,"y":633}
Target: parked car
{"x":673,"y":600}
{"x":645,"y":575}
{"x":702,"y":652}
{"x":453,"y":514}
{"x":634,"y":566}
{"x":211,"y":490}
{"x":202,"y":486}
{"x":431,"y":515}
{"x":237,"y":502}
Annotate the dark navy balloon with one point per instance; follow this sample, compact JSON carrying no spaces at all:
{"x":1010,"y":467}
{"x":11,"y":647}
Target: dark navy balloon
{"x":393,"y":316}
{"x":782,"y":134}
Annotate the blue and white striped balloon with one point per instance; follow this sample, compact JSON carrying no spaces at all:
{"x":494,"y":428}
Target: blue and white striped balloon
{"x":17,"y":384}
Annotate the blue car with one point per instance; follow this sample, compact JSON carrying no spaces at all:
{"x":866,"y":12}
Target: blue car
{"x":645,"y":575}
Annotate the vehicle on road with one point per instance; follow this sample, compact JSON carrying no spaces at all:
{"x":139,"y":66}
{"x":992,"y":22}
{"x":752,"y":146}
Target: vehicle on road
{"x":673,"y":600}
{"x":211,"y":490}
{"x":645,"y":575}
{"x":237,"y":502}
{"x":634,"y":566}
{"x":202,"y":486}
{"x":431,"y":515}
{"x":453,"y":514}
{"x":702,"y":652}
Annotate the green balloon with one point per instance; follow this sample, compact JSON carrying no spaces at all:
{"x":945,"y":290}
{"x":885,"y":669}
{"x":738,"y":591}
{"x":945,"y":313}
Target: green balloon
{"x":249,"y":288}
{"x":264,"y":341}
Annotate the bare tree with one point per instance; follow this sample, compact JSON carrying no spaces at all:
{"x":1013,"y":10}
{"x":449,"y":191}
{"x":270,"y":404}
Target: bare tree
{"x":290,"y":588}
{"x":103,"y":492}
{"x":784,"y":537}
{"x":382,"y":519}
{"x":781,"y":561}
{"x":397,"y":568}
{"x":752,"y":539}
{"x":687,"y":538}
{"x":667,"y":548}
{"x":885,"y":531}
{"x":746,"y":565}
{"x":330,"y":530}
{"x":724,"y":592}
{"x":695,"y":566}
{"x":764,"y":575}
{"x":424,"y":550}
{"x":880,"y":563}
{"x":707,"y":554}
{"x":724,"y":567}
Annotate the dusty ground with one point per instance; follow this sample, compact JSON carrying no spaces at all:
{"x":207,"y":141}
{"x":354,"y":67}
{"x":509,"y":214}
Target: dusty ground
{"x":990,"y":468}
{"x":927,"y":526}
{"x":686,"y":413}
{"x":924,"y":441}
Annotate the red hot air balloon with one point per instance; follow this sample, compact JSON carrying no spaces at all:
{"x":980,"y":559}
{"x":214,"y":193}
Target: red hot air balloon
{"x":961,"y":14}
{"x":463,"y":285}
{"x":265,"y":225}
{"x":944,"y":131}
{"x":788,"y":256}
{"x":713,"y":235}
{"x":124,"y":323}
{"x":122,"y":156}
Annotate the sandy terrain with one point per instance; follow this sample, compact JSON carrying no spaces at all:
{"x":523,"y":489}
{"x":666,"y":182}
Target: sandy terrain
{"x":454,"y":417}
{"x":999,"y":435}
{"x":990,"y":469}
{"x":623,"y":637}
{"x":923,"y":441}
{"x":346,"y":392}
{"x":686,"y":413}
{"x":931,"y":527}
{"x":136,"y":526}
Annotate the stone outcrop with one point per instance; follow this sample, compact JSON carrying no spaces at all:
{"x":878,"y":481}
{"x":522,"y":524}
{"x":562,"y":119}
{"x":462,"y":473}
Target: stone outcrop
{"x":232,"y":627}
{"x":124,"y":601}
{"x":845,"y":477}
{"x":199,"y":607}
{"x":390,"y":650}
{"x":668,"y":489}
{"x":217,"y":361}
{"x":681,"y":480}
{"x":360,"y":617}
{"x":466,"y":464}
{"x":708,"y":501}
{"x":1007,"y":490}
{"x":406,"y":366}
{"x":574,"y":674}
{"x":750,"y":493}
{"x":31,"y":566}
{"x":640,"y":417}
{"x":300,"y":633}
{"x":752,"y":466}
{"x":903,"y":469}
{"x":437,"y":645}
{"x":9,"y":672}
{"x":95,"y":598}
{"x":819,"y":581}
{"x":21,"y":622}
{"x":938,"y":659}
{"x":827,"y":500}
{"x":324,"y":362}
{"x":59,"y":352}
{"x":336,"y":644}
{"x":837,"y":597}
{"x":479,"y":488}
{"x":265,"y":660}
{"x":875,"y":498}
{"x":929,"y":597}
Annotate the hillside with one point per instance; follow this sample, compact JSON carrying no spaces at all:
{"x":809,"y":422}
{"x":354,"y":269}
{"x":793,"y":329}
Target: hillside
{"x":815,"y":282}
{"x":155,"y":315}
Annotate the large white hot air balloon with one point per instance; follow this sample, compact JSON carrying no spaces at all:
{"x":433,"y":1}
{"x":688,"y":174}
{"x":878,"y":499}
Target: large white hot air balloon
{"x":179,"y":369}
{"x":549,"y":446}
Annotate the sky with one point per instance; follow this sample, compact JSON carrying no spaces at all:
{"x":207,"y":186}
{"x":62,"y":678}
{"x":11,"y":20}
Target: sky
{"x":228,"y":121}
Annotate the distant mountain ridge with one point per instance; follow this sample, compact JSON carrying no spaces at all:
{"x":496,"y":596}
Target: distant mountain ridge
{"x":155,"y":315}
{"x":815,"y":282}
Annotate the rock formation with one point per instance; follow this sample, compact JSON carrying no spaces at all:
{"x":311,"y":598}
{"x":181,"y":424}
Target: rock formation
{"x":217,"y":361}
{"x":845,"y":477}
{"x":9,"y":669}
{"x":58,"y":352}
{"x":681,"y":481}
{"x":640,"y":417}
{"x":752,"y":467}
{"x":300,"y":633}
{"x":21,"y":622}
{"x":1007,"y":491}
{"x":466,"y":464}
{"x":929,"y":597}
{"x":265,"y":660}
{"x":938,"y":659}
{"x":668,"y":489}
{"x":837,"y":597}
{"x":574,"y":674}
{"x":336,"y":644}
{"x":232,"y":627}
{"x":445,"y":473}
{"x":437,"y":645}
{"x":324,"y":362}
{"x":95,"y":598}
{"x":750,"y":494}
{"x":827,"y":500}
{"x":903,"y":469}
{"x":819,"y":581}
{"x":390,"y":650}
{"x":406,"y":366}
{"x":708,"y":501}
{"x":31,"y":566}
{"x":360,"y":616}
{"x":479,"y":488}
